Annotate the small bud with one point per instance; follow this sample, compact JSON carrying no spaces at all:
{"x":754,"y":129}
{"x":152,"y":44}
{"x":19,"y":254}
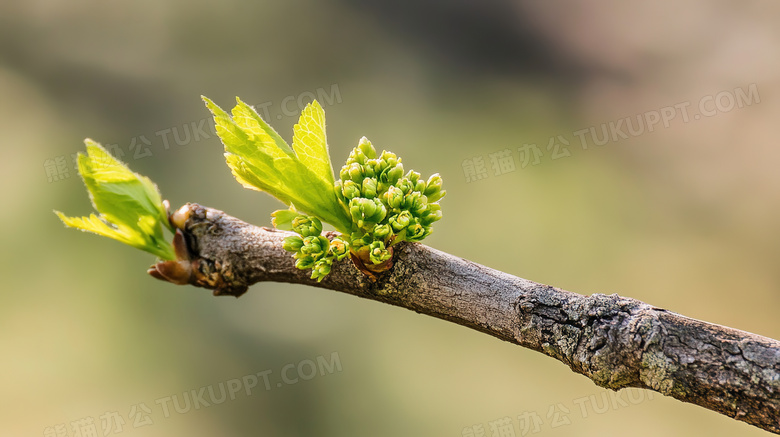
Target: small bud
{"x":338,"y":188}
{"x":180,"y":246}
{"x":357,"y":157}
{"x":344,"y":172}
{"x":305,"y":262}
{"x":350,"y":190}
{"x":367,"y":207}
{"x":179,"y":218}
{"x":361,"y":153}
{"x":432,"y":214}
{"x":321,"y":269}
{"x":316,"y":246}
{"x":380,"y":211}
{"x":390,"y":158}
{"x":391,"y":175}
{"x":176,"y":272}
{"x":370,"y":167}
{"x":354,"y":209}
{"x":378,"y":253}
{"x":413,"y":176}
{"x":292,"y":243}
{"x":435,"y":197}
{"x":366,"y":211}
{"x":393,"y":197}
{"x":369,"y":188}
{"x":405,"y":185}
{"x":339,"y":248}
{"x":381,"y":166}
{"x":357,"y":208}
{"x":360,"y":239}
{"x":433,"y":185}
{"x":366,"y":148}
{"x":433,"y":189}
{"x":415,"y":203}
{"x":381,"y":187}
{"x":415,"y":232}
{"x":356,"y":174}
{"x":400,"y":221}
{"x":382,"y":232}
{"x":307,"y":225}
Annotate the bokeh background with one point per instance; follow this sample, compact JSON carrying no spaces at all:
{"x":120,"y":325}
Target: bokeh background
{"x":684,"y":217}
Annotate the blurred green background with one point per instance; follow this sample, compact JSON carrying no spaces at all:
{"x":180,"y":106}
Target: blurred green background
{"x":683,"y":217}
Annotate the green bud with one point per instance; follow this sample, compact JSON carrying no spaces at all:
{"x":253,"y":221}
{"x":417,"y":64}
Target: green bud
{"x":292,"y":243}
{"x":378,"y":253}
{"x":415,"y":202}
{"x":366,"y":148}
{"x":356,"y":157}
{"x":356,"y":174}
{"x":413,"y":176}
{"x":350,"y":190}
{"x":381,"y":167}
{"x":360,"y":239}
{"x":354,"y":209}
{"x":305,"y":262}
{"x":321,"y":269}
{"x":315,"y":246}
{"x":369,"y":168}
{"x":433,"y":189}
{"x":400,"y":221}
{"x":380,"y":211}
{"x":435,"y":197}
{"x":358,"y":207}
{"x":307,"y":225}
{"x":415,"y":232}
{"x":392,"y":174}
{"x":364,"y":151}
{"x":433,"y":185}
{"x":389,"y":158}
{"x":432,"y":214}
{"x":382,"y":232}
{"x":405,"y":185}
{"x":344,"y":172}
{"x":384,"y":204}
{"x":369,"y":188}
{"x":338,"y":188}
{"x":393,"y":197}
{"x":366,"y":211}
{"x":381,"y":188}
{"x":339,"y":248}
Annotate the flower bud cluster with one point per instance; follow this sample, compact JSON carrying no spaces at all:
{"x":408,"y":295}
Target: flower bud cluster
{"x":386,"y":205}
{"x":313,"y":250}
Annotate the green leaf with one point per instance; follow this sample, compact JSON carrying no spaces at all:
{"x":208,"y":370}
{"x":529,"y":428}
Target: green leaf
{"x":282,"y":219}
{"x":131,"y":209}
{"x":245,"y":116}
{"x":261,"y":160}
{"x":310,"y":142}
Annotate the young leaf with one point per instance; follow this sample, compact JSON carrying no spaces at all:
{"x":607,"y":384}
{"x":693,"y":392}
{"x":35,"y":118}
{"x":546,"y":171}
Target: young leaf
{"x":310,"y":142}
{"x":131,"y":209}
{"x":261,"y":160}
{"x":282,"y":219}
{"x":245,"y":116}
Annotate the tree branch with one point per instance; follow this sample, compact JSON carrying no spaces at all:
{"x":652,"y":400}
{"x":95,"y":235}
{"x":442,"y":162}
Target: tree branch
{"x":615,"y":341}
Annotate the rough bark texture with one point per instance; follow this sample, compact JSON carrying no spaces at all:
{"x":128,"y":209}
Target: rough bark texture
{"x":615,"y":341}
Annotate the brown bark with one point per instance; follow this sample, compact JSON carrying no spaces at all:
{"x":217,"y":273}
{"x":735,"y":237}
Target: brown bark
{"x":615,"y":341}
